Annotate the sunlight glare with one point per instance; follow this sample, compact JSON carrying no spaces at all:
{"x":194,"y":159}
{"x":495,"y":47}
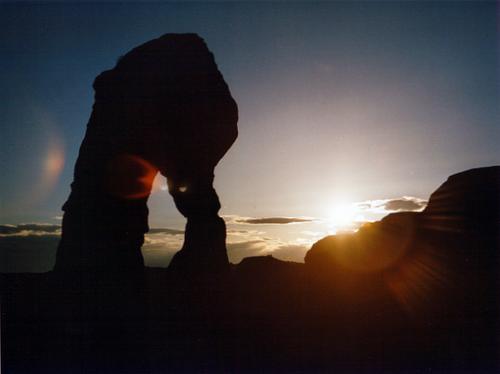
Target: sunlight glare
{"x":342,"y":215}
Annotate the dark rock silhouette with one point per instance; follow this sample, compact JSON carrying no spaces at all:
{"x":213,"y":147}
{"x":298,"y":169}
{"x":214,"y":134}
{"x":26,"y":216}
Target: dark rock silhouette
{"x":164,"y":107}
{"x":440,"y":265}
{"x":461,"y":218}
{"x":418,"y":293}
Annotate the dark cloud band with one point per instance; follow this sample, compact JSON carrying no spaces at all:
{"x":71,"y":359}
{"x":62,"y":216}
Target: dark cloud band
{"x":404,"y":204}
{"x":166,"y":231}
{"x":33,"y":228}
{"x":273,"y":220}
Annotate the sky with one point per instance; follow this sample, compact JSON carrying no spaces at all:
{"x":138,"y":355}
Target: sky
{"x":347,"y":110}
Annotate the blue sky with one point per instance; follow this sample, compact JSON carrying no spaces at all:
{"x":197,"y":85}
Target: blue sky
{"x":340,"y":102}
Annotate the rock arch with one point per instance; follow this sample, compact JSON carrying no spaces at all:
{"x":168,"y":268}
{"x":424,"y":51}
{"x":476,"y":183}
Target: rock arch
{"x":166,"y":108}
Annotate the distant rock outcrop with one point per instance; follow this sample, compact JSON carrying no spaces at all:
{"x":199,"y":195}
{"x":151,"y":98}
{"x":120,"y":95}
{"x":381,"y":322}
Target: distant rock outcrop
{"x":440,"y":265}
{"x":164,"y":107}
{"x":462,"y":217}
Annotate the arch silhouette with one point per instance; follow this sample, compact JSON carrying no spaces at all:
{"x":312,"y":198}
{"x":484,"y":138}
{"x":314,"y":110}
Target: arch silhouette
{"x":166,"y":108}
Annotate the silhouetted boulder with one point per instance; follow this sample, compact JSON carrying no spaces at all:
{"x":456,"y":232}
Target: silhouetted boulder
{"x":462,"y":216}
{"x":441,"y":266}
{"x":467,"y":202}
{"x":164,"y":107}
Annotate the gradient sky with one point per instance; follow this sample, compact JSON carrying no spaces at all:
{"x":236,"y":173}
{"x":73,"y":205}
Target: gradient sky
{"x":339,"y":102}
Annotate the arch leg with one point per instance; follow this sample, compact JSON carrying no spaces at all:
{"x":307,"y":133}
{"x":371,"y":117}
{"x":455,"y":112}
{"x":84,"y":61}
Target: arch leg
{"x":204,"y":248}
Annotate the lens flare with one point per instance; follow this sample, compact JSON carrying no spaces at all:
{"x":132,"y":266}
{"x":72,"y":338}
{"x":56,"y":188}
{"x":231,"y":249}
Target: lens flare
{"x":52,"y":165}
{"x":54,"y":162}
{"x":416,"y":282}
{"x":130,"y":177}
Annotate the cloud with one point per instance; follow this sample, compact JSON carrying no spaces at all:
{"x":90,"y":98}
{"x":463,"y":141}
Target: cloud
{"x":160,"y":245}
{"x":29,"y":229}
{"x":241,"y":244}
{"x":32,"y":229}
{"x":159,"y":248}
{"x":239,"y":250}
{"x":260,"y":247}
{"x":32,"y":247}
{"x":405,"y":203}
{"x":273,"y":220}
{"x":165,"y":231}
{"x":291,"y":252}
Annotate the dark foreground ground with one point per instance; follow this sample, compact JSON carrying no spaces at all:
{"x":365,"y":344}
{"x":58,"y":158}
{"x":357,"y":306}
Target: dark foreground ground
{"x":267,"y":316}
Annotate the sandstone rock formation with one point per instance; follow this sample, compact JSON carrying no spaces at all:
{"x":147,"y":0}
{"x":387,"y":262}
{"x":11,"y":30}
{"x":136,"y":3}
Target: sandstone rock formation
{"x":461,"y":218}
{"x":164,"y":107}
{"x":431,"y":306}
{"x":441,"y":266}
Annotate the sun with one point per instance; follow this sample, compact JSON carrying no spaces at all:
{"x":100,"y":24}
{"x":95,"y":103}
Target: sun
{"x":342,"y":214}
